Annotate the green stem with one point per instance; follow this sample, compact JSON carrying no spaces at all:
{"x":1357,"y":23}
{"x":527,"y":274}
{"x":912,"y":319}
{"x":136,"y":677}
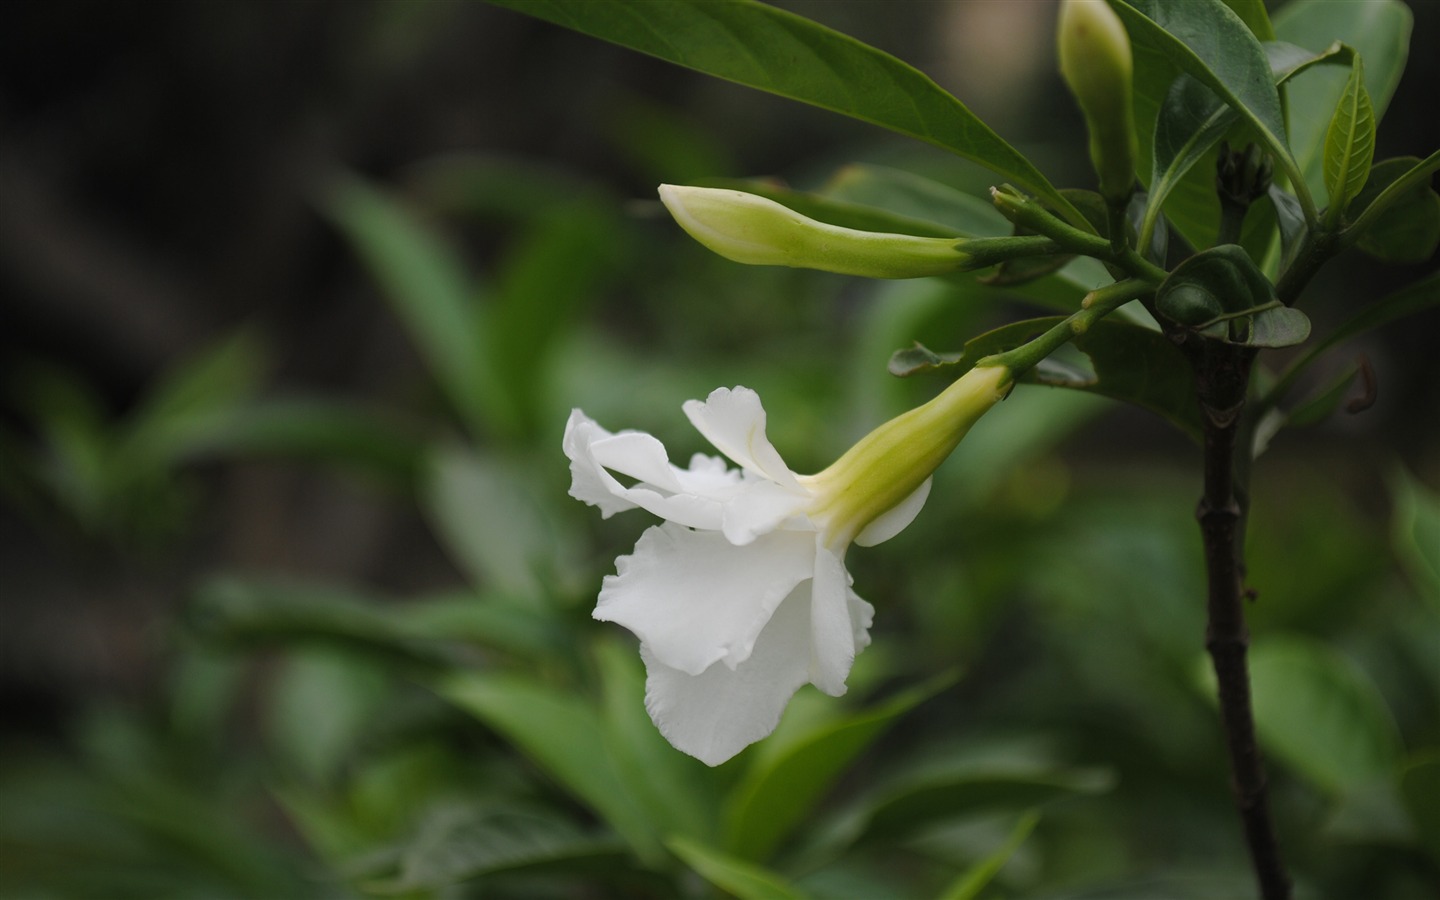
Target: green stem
{"x":1029,"y":214}
{"x":1097,"y":305}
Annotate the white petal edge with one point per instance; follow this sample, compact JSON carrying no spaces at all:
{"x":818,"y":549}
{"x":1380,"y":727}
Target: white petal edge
{"x":896,"y":519}
{"x":694,"y":599}
{"x":734,"y":421}
{"x":714,"y":715}
{"x":832,"y":633}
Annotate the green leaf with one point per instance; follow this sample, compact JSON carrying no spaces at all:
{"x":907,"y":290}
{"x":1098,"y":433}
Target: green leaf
{"x":1349,"y":143}
{"x":321,"y":702}
{"x":429,"y":290}
{"x":1415,"y":533}
{"x":676,"y":790}
{"x":218,"y":379}
{"x":458,"y":844}
{"x":1253,"y":14}
{"x":782,"y":787}
{"x":561,"y":733}
{"x":558,"y":263}
{"x":736,"y":877}
{"x":1191,"y":121}
{"x":763,"y":47}
{"x":1207,"y":41}
{"x":1320,"y":715}
{"x":914,"y":196}
{"x":324,"y":431}
{"x":255,"y":612}
{"x":1419,"y":786}
{"x":1418,"y":297}
{"x":1279,"y":326}
{"x":1397,"y":214}
{"x":1222,"y":294}
{"x":492,"y":524}
{"x":955,"y":781}
{"x":1379,"y":31}
{"x":969,"y":885}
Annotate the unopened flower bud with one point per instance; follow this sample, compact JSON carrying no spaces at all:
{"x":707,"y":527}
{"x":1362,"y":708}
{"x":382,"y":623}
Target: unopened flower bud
{"x":751,"y":229}
{"x":1096,"y":62}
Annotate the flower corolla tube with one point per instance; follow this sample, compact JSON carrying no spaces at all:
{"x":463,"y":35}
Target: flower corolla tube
{"x":741,"y":595}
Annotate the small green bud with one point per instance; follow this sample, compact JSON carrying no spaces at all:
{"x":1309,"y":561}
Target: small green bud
{"x":751,"y":229}
{"x":1096,"y":62}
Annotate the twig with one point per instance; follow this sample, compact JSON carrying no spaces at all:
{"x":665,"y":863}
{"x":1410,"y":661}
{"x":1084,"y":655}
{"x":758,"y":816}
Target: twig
{"x":1222,"y":377}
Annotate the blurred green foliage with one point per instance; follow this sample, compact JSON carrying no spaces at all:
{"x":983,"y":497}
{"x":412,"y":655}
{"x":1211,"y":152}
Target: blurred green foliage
{"x":490,"y":740}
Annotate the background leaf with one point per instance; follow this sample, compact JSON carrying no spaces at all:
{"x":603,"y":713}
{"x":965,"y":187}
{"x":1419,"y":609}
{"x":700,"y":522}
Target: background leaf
{"x":1321,"y":716}
{"x":779,"y":790}
{"x":736,"y":877}
{"x":763,"y":47}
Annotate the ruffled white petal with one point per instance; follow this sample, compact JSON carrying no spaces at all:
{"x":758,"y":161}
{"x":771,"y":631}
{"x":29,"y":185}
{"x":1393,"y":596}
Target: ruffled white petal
{"x":692,"y":497}
{"x":716,"y":714}
{"x":589,"y":483}
{"x":832,"y":631}
{"x":734,"y":421}
{"x":891,"y":523}
{"x":694,"y":599}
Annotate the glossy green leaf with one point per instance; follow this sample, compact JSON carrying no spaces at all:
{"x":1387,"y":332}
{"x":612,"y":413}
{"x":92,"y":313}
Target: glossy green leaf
{"x":763,"y":47}
{"x":737,"y":877}
{"x":429,"y":290}
{"x":1320,"y":715}
{"x":1210,"y":43}
{"x":1349,"y":142}
{"x":969,"y":885}
{"x":1253,"y":14}
{"x":1222,"y":294}
{"x":1378,"y":30}
{"x":1190,"y":122}
{"x":1397,"y":214}
{"x":782,"y":787}
{"x":561,"y":733}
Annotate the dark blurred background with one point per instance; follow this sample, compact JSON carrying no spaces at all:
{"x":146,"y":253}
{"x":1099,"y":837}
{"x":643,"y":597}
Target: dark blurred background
{"x":160,"y":169}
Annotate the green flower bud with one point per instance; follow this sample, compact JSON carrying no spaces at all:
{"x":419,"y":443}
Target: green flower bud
{"x":750,"y":229}
{"x":1095,"y":60}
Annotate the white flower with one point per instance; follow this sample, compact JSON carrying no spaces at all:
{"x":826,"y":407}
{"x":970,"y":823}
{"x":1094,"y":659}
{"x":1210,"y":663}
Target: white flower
{"x":742,"y":596}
